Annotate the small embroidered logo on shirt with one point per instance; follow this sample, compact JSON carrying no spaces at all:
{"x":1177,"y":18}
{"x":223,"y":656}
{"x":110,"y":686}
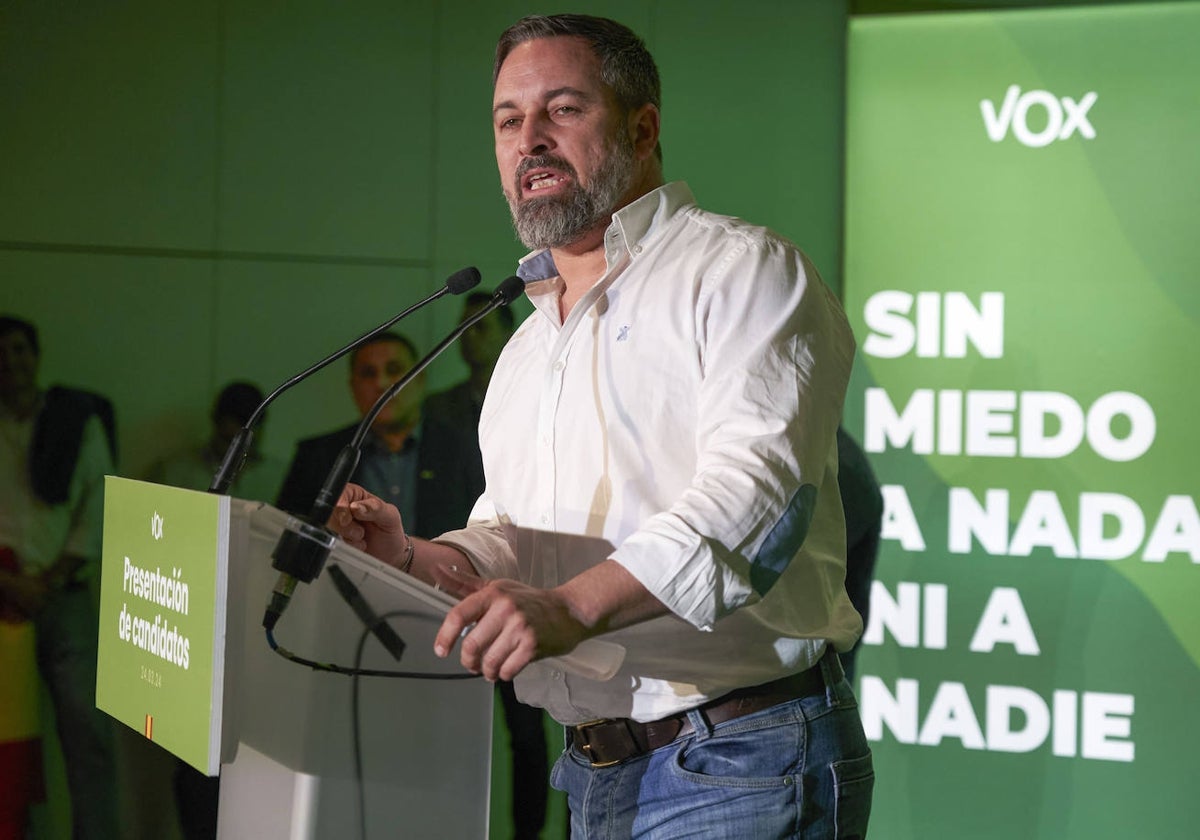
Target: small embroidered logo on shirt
{"x":623,"y":333}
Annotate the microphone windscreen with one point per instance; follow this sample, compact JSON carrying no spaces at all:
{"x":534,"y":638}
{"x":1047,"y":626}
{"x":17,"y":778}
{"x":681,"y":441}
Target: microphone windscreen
{"x":463,"y":280}
{"x":509,"y":290}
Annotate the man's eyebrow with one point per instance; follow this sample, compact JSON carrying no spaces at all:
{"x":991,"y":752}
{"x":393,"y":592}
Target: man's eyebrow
{"x":565,"y":90}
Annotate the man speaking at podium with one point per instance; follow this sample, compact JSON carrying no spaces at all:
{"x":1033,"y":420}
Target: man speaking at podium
{"x":659,"y":449}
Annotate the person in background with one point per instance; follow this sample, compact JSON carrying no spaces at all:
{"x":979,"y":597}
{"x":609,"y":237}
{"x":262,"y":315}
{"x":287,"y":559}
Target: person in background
{"x":862,"y":502}
{"x":390,"y":461}
{"x":458,"y":408}
{"x":659,"y":447}
{"x":260,"y":477}
{"x":56,"y":446}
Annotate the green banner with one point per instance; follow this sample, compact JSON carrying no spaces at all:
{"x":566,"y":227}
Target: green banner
{"x":1020,"y":260}
{"x":162,"y":615}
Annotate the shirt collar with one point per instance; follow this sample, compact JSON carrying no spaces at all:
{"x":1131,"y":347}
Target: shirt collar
{"x":637,"y":222}
{"x":632,"y":226}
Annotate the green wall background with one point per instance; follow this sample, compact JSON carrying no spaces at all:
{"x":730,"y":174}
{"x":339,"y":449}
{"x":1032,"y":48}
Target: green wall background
{"x":200,"y":191}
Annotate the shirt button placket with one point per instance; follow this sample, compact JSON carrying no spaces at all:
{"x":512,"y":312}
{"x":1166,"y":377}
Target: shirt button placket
{"x":547,"y":465}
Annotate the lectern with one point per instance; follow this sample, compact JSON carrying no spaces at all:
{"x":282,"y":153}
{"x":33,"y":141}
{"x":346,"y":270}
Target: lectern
{"x":302,"y":753}
{"x":319,"y":754}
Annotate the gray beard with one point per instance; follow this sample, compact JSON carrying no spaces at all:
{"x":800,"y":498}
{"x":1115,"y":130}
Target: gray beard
{"x":557,"y":221}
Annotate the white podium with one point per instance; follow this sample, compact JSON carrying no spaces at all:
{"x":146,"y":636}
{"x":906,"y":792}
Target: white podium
{"x":304,"y":754}
{"x":321,"y":755}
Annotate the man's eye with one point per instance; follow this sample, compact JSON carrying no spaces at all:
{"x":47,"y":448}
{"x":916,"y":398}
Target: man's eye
{"x":566,"y":109}
{"x":511,"y":122}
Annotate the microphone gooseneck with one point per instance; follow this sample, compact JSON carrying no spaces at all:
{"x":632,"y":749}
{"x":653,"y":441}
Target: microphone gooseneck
{"x":300,"y":554}
{"x":235,"y":456}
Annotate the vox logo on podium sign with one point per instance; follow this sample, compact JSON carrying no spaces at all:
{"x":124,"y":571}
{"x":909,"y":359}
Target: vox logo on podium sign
{"x":1055,"y":117}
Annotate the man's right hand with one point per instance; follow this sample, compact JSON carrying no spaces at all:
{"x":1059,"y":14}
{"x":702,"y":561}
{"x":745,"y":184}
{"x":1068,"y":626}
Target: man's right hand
{"x":368,"y":523}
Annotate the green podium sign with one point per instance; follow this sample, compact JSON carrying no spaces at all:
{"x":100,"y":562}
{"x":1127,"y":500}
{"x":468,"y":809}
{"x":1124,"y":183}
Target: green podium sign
{"x":162,"y":615}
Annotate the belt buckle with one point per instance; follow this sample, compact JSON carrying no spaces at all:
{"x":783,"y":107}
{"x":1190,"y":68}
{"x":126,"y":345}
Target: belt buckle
{"x":586,"y":748}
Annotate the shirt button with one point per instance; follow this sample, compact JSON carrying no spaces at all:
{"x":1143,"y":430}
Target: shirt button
{"x":559,"y":365}
{"x":638,"y":249}
{"x":545,"y":519}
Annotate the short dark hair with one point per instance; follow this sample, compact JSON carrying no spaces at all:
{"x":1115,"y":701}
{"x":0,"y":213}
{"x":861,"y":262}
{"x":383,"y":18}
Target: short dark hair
{"x":478,"y":300}
{"x":237,"y":400}
{"x":388,"y":337}
{"x":11,"y":324}
{"x":626,"y":65}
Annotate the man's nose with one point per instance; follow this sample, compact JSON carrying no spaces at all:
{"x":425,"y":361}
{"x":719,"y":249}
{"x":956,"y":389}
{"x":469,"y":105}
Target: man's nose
{"x":535,"y":138}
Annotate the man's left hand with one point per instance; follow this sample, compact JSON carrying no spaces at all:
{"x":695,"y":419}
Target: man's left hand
{"x":504,"y":625}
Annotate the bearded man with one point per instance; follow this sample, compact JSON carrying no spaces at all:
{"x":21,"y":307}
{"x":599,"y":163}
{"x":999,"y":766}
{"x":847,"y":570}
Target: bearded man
{"x":658,"y":442}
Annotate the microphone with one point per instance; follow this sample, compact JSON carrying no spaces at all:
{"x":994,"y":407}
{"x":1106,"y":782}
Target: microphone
{"x":235,"y":456}
{"x":300,"y":554}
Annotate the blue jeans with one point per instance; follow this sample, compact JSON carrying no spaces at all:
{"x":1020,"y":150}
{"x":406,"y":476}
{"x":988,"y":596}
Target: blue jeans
{"x":801,"y":769}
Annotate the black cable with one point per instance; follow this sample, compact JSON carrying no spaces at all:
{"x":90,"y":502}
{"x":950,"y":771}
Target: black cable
{"x":355,"y":716}
{"x":370,"y":627}
{"x":356,"y":738}
{"x":360,"y":672}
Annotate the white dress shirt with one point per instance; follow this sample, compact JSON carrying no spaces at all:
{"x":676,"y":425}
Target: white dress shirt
{"x":39,"y":532}
{"x":681,"y":421}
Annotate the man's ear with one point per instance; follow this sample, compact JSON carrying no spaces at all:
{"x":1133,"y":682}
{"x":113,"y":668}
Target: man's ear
{"x":643,"y":130}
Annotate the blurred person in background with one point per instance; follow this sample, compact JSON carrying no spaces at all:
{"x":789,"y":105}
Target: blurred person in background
{"x":56,"y":446}
{"x":260,"y":476}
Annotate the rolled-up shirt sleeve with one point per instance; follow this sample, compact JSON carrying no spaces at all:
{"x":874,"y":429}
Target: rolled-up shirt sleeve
{"x":484,"y":542}
{"x":775,"y":358}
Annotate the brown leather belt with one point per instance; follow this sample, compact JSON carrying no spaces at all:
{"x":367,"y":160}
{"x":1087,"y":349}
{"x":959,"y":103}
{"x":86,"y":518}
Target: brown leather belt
{"x":610,"y":741}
